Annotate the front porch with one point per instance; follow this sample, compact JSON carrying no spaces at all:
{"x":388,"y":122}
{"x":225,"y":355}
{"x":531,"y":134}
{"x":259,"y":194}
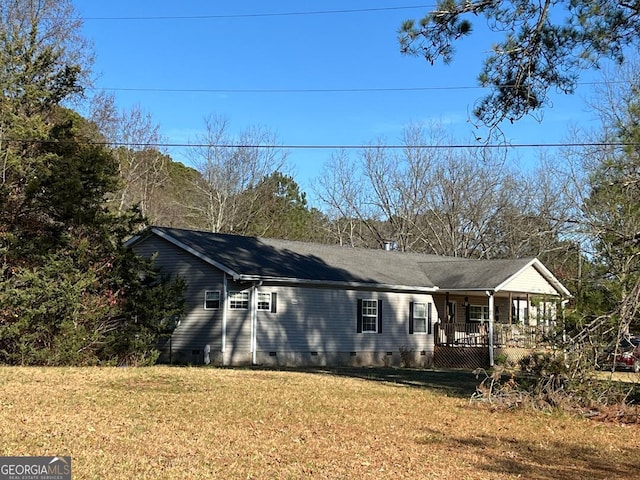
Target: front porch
{"x":466,"y":345}
{"x":496,"y":309}
{"x":475,"y":334}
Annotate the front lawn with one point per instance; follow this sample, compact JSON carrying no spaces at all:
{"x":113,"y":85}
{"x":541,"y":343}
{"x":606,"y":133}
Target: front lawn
{"x":179,"y":423}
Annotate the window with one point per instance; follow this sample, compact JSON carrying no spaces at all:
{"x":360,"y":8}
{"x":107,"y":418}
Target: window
{"x":478,"y":313}
{"x":420,"y":317}
{"x":238,"y":300}
{"x":268,"y":302}
{"x":211,"y":300}
{"x":369,"y":315}
{"x":264,"y":301}
{"x":451,"y":310}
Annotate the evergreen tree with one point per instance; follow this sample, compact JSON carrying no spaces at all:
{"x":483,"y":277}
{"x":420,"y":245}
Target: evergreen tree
{"x":612,"y":213}
{"x":281,"y":210}
{"x":544,"y":45}
{"x":70,"y":292}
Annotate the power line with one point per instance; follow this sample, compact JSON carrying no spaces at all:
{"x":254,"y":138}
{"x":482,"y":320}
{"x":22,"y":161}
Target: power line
{"x":321,"y":90}
{"x":261,"y":15}
{"x":328,"y":147}
{"x":279,"y":90}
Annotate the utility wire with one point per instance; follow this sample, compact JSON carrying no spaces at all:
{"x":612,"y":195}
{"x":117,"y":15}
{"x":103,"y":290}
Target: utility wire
{"x":320,"y":90}
{"x":329,"y":147}
{"x":260,"y":15}
{"x":278,"y":90}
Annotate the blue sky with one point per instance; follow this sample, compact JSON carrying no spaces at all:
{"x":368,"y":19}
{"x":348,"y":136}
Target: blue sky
{"x":245,"y":47}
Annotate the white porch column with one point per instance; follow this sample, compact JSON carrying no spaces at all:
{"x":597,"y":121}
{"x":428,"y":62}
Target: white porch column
{"x":491,"y":320}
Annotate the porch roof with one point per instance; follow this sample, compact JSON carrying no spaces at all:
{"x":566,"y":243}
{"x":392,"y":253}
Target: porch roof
{"x":527,"y":275}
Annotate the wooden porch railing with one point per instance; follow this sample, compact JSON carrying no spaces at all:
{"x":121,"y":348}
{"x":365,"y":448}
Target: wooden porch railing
{"x":477,"y":334}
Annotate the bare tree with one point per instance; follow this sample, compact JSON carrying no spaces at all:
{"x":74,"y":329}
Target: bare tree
{"x":134,"y":138}
{"x":341,"y":189}
{"x":230,"y":167}
{"x":430,"y":197}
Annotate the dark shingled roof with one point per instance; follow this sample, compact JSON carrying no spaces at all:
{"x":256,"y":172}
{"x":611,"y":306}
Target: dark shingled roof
{"x":472,"y":274}
{"x":263,"y":257}
{"x":285,"y":259}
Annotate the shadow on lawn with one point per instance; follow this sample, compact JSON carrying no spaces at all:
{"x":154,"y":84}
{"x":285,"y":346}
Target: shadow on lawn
{"x":550,"y":458}
{"x":455,"y":383}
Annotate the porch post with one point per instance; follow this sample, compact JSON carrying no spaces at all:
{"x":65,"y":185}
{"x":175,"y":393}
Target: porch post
{"x":446,"y":308}
{"x":491,"y":318}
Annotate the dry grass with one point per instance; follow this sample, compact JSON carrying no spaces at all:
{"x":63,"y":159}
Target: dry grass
{"x":178,"y":423}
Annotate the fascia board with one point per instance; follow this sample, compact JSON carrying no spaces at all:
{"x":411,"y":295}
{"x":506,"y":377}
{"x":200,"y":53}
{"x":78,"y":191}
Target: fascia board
{"x":132,"y":240}
{"x":329,"y":283}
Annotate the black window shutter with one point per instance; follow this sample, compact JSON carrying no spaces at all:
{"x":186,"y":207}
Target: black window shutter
{"x":410,"y":318}
{"x":359,"y":318}
{"x":467,"y":313}
{"x":379,"y":316}
{"x":274,"y":302}
{"x":429,"y":317}
{"x":497,"y":315}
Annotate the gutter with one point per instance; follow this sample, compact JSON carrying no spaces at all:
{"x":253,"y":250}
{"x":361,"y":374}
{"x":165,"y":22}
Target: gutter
{"x":334,"y":283}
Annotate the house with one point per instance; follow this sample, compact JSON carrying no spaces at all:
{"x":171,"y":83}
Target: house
{"x":264,"y":301}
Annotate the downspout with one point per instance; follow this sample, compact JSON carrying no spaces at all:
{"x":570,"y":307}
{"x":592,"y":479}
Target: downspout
{"x":224,"y":317}
{"x":254,"y":323}
{"x":491,"y":319}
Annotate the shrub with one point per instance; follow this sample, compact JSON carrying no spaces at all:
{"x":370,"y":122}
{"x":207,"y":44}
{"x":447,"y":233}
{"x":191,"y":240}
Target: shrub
{"x":406,"y":357}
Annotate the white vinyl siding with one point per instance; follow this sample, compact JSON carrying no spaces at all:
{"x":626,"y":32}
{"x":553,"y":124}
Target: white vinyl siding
{"x":199,"y":326}
{"x":324,"y":320}
{"x":530,"y":280}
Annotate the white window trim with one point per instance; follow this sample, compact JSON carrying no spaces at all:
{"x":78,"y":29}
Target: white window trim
{"x":426,"y":318}
{"x":484,"y":309}
{"x":245,"y":299}
{"x":375,"y":317}
{"x":219,"y":299}
{"x":268,"y":302}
